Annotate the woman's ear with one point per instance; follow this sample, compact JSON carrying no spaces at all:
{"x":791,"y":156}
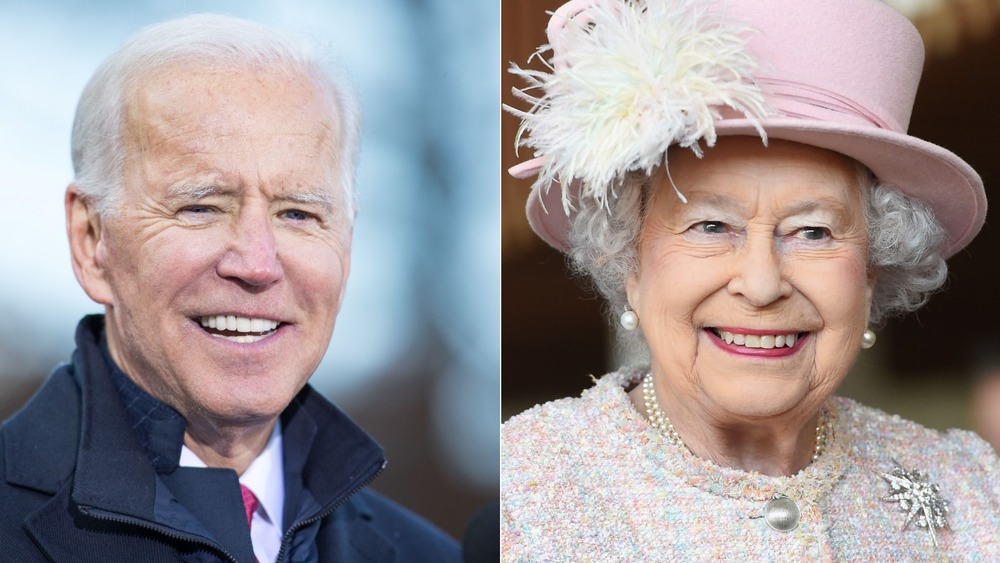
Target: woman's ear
{"x":86,"y":245}
{"x":631,"y":290}
{"x":870,"y":287}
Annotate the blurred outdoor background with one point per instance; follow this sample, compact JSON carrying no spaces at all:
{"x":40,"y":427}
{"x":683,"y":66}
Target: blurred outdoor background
{"x":416,"y":354}
{"x":932,"y":367}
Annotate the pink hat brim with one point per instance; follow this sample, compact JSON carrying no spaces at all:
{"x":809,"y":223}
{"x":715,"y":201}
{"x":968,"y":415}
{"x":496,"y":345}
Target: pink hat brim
{"x":936,"y":176}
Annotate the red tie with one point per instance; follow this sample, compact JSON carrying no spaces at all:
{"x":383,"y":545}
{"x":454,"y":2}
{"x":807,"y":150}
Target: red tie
{"x":250,"y":503}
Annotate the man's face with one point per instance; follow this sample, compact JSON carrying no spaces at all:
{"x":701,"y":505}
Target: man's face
{"x":226,"y":266}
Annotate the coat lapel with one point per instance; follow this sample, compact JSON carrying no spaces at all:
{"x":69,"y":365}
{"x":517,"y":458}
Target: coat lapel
{"x":72,"y":441}
{"x":64,"y":534}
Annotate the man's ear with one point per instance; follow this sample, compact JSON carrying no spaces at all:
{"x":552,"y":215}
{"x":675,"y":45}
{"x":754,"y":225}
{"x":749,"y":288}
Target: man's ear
{"x":86,"y":245}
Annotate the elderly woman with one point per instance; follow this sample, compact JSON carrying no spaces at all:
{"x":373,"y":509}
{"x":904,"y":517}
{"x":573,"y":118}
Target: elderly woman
{"x":738,"y":182}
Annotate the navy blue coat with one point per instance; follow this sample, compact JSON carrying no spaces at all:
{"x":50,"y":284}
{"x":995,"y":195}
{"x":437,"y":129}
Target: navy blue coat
{"x":78,"y":484}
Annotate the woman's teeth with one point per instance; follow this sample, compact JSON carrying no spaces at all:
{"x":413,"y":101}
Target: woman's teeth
{"x":254,"y":329}
{"x":758,"y":340}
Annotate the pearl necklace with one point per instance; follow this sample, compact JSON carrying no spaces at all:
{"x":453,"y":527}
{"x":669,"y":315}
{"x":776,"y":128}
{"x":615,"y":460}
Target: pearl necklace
{"x":659,"y":420}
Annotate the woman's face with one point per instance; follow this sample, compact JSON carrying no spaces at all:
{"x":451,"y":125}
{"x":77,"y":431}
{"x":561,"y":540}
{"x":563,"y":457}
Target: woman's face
{"x":753,"y":296}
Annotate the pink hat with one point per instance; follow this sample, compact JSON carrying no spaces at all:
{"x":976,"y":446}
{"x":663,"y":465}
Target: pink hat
{"x":629,"y":79}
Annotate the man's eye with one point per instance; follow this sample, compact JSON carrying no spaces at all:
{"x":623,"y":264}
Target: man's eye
{"x":198,"y":209}
{"x":297,"y":215}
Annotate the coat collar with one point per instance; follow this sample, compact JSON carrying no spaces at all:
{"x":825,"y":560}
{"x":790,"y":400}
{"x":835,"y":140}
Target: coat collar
{"x":80,"y":417}
{"x":110,"y":449}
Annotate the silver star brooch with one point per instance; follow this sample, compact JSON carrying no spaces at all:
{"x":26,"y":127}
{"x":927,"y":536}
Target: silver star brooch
{"x":918,"y":499}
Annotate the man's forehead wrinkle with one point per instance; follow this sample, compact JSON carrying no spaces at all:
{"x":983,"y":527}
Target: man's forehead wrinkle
{"x":328,"y":138}
{"x":157,"y":126}
{"x":207,"y":133}
{"x":169,"y":139}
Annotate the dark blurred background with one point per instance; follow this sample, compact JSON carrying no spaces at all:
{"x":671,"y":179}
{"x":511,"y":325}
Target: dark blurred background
{"x":924,"y":367}
{"x":415,"y":356}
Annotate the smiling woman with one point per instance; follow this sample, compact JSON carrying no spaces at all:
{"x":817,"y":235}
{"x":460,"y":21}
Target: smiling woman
{"x":752,"y":208}
{"x":770,"y":245}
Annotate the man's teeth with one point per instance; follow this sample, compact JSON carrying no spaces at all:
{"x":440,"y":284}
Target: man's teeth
{"x":256,"y":329}
{"x":758,"y":340}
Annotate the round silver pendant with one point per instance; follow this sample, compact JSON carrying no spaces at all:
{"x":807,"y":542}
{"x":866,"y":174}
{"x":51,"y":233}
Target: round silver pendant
{"x":781,"y":513}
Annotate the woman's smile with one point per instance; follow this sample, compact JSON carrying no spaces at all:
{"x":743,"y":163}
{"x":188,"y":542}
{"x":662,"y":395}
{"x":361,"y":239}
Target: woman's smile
{"x":758,"y":343}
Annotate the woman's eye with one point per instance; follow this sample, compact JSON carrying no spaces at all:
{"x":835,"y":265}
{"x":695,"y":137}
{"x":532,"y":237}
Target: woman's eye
{"x":814,"y":233}
{"x":711,"y":227}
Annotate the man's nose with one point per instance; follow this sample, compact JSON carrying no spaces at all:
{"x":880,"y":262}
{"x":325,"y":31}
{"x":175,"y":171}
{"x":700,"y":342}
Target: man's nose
{"x":758,"y":274}
{"x":251,"y":255}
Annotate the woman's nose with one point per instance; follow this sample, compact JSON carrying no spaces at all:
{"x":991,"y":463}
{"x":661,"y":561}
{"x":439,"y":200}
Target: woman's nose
{"x":251,"y":255}
{"x":758,"y":275}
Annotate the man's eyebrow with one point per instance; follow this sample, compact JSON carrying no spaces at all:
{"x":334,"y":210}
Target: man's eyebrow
{"x":324,"y":199}
{"x":189,"y":192}
{"x":196,"y":191}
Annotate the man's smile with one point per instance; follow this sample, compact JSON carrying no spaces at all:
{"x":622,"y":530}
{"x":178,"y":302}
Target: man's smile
{"x":243,"y":330}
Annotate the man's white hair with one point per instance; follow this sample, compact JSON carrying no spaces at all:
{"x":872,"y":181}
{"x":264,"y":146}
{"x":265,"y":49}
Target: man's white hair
{"x":209,"y":41}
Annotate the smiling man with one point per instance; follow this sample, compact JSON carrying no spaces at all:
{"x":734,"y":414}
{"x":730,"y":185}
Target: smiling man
{"x":211,"y":216}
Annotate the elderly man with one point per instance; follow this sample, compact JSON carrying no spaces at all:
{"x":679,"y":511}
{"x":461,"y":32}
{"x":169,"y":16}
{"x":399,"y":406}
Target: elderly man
{"x":211,"y":215}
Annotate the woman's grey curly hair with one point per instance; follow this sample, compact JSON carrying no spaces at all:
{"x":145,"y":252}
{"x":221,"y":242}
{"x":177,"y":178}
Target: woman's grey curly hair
{"x":904,"y":248}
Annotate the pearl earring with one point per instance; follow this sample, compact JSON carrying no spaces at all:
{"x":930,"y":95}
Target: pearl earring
{"x":629,"y":320}
{"x":868,"y":339}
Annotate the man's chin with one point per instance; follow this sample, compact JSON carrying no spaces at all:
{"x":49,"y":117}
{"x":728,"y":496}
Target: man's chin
{"x":243,"y":405}
{"x":238,"y":416}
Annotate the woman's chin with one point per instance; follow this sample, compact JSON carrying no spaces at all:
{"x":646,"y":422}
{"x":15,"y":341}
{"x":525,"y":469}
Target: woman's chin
{"x":756,"y":397}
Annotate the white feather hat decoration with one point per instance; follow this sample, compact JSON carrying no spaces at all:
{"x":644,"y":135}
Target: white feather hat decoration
{"x":628,"y":79}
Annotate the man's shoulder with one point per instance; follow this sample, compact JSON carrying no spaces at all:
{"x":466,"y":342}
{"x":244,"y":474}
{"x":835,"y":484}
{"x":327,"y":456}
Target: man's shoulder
{"x":56,"y":401}
{"x":36,"y":460}
{"x":414,"y":538}
{"x":60,"y":383}
{"x":39,"y":440}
